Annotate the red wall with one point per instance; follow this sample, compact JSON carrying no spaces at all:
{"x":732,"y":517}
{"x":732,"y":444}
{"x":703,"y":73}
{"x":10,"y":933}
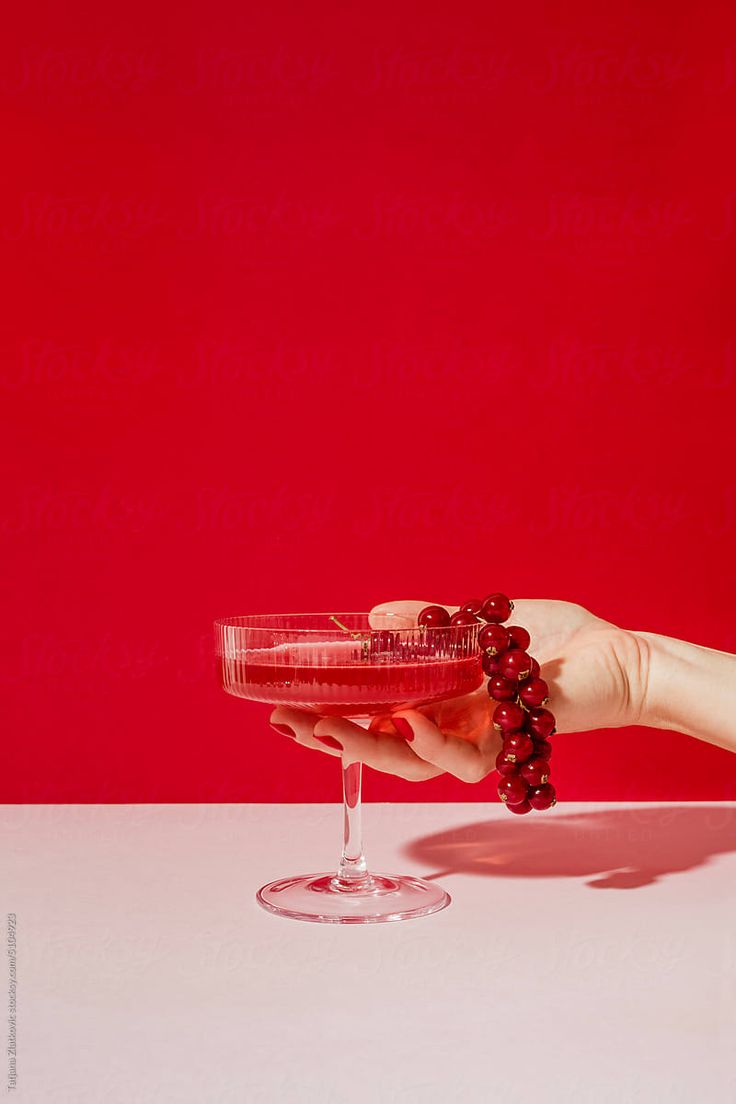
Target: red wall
{"x":315,"y":305}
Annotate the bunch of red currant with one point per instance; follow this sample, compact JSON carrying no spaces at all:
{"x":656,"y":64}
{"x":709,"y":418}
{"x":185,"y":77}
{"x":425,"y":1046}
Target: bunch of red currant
{"x":514,"y":682}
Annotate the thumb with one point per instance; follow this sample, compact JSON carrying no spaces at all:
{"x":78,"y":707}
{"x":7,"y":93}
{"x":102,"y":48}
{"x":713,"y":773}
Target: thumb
{"x":398,"y":615}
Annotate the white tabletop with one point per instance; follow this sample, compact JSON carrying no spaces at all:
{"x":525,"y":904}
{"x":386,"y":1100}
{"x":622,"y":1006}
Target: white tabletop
{"x":589,"y":954}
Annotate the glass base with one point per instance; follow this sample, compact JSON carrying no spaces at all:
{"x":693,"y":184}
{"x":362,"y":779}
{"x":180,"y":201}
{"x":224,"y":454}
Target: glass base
{"x":376,"y":899}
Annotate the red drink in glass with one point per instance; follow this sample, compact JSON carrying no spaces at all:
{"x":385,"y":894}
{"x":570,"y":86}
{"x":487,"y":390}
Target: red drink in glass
{"x":338,"y":687}
{"x":343,"y":666}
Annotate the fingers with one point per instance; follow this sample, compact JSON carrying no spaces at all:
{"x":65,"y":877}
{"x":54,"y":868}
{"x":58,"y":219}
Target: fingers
{"x":384,"y":751}
{"x":298,"y":725}
{"x":398,"y":615}
{"x":424,"y":751}
{"x":467,"y":761}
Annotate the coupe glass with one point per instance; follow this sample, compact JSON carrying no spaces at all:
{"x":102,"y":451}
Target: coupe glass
{"x":339,"y":665}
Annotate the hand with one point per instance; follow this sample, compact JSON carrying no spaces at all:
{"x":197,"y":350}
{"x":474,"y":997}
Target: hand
{"x":597,"y":678}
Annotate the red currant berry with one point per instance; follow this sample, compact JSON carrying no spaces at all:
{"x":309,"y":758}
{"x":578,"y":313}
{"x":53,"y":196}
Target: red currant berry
{"x":520,"y":808}
{"x":462,"y":617}
{"x":515,"y":665}
{"x":493,"y":639}
{"x":512,"y":789}
{"x":540,"y":722}
{"x":506,"y":766}
{"x":508,"y":717}
{"x":496,"y":608}
{"x":490,"y":664}
{"x":518,"y":747}
{"x":501,"y":689}
{"x":534,"y":669}
{"x":543,"y":797}
{"x":543,"y":749}
{"x":434,"y":617}
{"x":535,"y":772}
{"x":520,"y":638}
{"x":534,"y":692}
{"x":472,"y":606}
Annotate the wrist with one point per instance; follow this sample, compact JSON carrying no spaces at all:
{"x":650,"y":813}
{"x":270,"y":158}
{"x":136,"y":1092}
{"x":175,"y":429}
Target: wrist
{"x":633,"y":652}
{"x":647,"y":678}
{"x":669,"y":673}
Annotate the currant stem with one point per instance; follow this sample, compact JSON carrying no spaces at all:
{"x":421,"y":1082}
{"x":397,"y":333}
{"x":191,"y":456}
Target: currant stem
{"x":338,"y":622}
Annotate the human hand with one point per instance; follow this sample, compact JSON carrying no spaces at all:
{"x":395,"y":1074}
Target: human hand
{"x":596,"y":673}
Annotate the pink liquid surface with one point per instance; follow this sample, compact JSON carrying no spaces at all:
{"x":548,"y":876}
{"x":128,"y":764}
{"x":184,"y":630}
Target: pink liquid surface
{"x":348,"y":689}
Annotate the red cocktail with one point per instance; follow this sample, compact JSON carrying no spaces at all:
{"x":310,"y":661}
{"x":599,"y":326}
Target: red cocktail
{"x":341,"y":665}
{"x":344,"y":686}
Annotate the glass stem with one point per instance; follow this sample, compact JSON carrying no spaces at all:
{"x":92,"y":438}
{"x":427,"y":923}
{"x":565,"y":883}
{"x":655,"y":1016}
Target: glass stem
{"x":353,"y":869}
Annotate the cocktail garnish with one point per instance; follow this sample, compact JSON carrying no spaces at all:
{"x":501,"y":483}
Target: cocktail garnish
{"x":354,"y":635}
{"x":514,"y":682}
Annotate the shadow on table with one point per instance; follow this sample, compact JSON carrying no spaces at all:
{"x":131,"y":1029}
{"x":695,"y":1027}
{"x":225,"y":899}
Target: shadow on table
{"x":612,"y":849}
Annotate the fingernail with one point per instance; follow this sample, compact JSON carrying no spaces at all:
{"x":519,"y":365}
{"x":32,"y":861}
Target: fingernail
{"x":285,"y":730}
{"x":403,"y":728}
{"x":330,"y":741}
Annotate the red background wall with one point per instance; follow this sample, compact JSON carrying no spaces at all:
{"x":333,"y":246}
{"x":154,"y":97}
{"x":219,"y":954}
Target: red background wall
{"x":315,"y":305}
